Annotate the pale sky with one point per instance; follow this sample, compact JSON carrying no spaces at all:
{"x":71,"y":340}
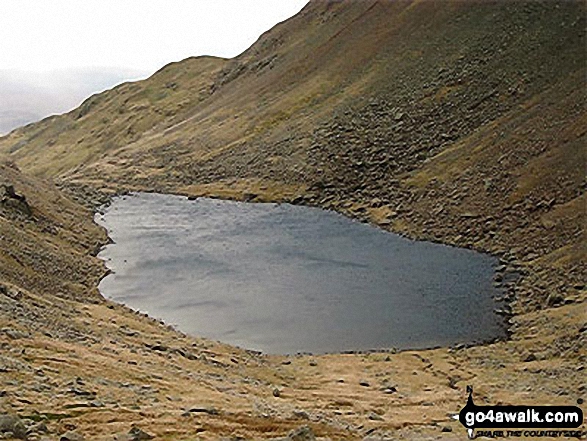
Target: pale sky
{"x":41,"y":35}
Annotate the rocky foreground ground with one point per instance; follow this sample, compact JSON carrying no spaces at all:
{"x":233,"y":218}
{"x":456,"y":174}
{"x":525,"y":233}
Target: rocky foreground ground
{"x":74,"y":365}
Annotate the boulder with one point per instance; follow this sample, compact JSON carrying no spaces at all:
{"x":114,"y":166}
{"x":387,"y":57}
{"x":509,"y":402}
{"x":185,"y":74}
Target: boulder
{"x":13,"y":424}
{"x":303,"y":433}
{"x":72,"y":436}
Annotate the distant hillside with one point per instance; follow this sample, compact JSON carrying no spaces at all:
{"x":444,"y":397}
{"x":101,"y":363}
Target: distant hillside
{"x":439,"y":71}
{"x":455,"y":121}
{"x":27,"y":97}
{"x":11,"y":119}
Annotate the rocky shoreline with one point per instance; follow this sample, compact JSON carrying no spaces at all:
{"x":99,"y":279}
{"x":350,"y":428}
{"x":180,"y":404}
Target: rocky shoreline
{"x":394,"y":374}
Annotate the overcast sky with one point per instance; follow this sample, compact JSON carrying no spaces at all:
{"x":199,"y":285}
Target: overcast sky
{"x":137,"y":34}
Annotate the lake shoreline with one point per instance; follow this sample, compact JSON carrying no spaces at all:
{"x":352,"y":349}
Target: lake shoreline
{"x":499,"y":296}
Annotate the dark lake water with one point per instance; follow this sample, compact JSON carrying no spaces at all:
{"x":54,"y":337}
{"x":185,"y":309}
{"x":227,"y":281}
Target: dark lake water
{"x":283,"y":278}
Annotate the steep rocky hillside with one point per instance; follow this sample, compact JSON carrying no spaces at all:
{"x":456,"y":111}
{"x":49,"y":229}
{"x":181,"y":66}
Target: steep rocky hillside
{"x":409,"y":78}
{"x":459,"y":122}
{"x":47,"y":240}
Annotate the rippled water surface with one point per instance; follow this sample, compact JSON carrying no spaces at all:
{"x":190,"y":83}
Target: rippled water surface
{"x":283,"y":279}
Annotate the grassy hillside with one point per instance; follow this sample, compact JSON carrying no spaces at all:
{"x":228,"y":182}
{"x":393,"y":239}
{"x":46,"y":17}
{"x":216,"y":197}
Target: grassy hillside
{"x":460,"y":122}
{"x":47,"y":240}
{"x":446,"y":69}
{"x":28,"y":96}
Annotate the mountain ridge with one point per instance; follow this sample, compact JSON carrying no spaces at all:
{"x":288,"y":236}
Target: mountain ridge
{"x":29,"y":96}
